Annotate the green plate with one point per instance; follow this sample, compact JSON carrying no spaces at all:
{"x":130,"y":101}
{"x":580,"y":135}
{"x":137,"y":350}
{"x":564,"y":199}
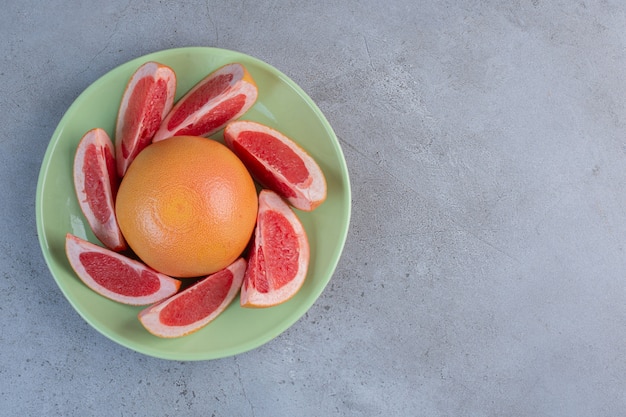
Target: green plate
{"x":281,"y":104}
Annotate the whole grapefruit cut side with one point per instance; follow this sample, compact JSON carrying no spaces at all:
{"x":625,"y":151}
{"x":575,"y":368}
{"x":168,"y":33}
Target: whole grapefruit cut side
{"x":278,"y":163}
{"x":96,"y":184}
{"x":148,"y":98}
{"x":196,"y":306}
{"x":222,"y":96}
{"x":115,"y":276}
{"x":279,"y":257}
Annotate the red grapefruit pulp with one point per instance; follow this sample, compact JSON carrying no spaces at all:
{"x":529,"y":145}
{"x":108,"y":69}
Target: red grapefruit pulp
{"x":196,"y":306}
{"x":96,"y":183}
{"x":115,"y":276}
{"x":277,"y":163}
{"x":279,"y":257}
{"x":220,"y":97}
{"x":148,"y":97}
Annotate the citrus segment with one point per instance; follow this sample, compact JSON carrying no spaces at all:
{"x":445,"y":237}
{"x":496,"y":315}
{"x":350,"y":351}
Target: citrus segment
{"x":187,"y":206}
{"x":220,"y":97}
{"x":96,"y":183}
{"x":196,"y":306}
{"x":279,"y":256}
{"x":218,"y":117}
{"x":115,"y":276}
{"x":148,"y":98}
{"x":278,"y":163}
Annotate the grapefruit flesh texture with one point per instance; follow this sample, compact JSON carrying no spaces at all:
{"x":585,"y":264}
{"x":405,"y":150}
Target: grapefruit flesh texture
{"x":267,"y":148}
{"x":279,"y":253}
{"x":279,"y":257}
{"x":148,"y":98}
{"x":278,"y":163}
{"x":261,"y":152}
{"x":194,"y":102}
{"x":218,"y":117}
{"x":222,"y":96}
{"x":198,"y":305}
{"x":116,"y":276}
{"x":96,"y":185}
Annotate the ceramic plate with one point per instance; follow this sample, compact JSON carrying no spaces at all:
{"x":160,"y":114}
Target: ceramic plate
{"x":281,"y":104}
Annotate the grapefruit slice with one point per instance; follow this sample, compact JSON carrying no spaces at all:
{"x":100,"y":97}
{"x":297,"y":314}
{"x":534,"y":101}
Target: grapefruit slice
{"x":196,"y":306}
{"x":115,"y":276}
{"x":220,"y":97}
{"x":279,"y":256}
{"x":96,"y":183}
{"x":148,"y":97}
{"x":278,"y":163}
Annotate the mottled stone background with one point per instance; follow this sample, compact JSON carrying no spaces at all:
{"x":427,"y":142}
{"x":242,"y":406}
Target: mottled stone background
{"x":484,"y":272}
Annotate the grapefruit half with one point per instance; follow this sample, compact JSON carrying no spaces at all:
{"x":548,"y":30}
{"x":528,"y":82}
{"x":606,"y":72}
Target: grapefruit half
{"x":277,"y":163}
{"x":115,"y":276}
{"x":148,"y":98}
{"x":196,"y":306}
{"x":96,"y":183}
{"x":220,"y":97}
{"x":279,"y":256}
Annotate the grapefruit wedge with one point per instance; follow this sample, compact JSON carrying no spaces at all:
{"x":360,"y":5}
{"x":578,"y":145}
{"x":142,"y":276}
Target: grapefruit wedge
{"x":196,"y":306}
{"x":96,"y":183}
{"x":115,"y":276}
{"x":148,"y":97}
{"x":279,"y":256}
{"x":278,"y":163}
{"x":220,"y":97}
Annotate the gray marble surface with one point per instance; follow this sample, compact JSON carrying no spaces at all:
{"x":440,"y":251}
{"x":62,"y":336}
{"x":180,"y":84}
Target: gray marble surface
{"x":484,"y":272}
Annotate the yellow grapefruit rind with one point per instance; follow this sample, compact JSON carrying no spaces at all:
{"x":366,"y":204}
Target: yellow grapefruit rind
{"x":150,"y":317}
{"x":252,"y":298}
{"x":74,"y":246}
